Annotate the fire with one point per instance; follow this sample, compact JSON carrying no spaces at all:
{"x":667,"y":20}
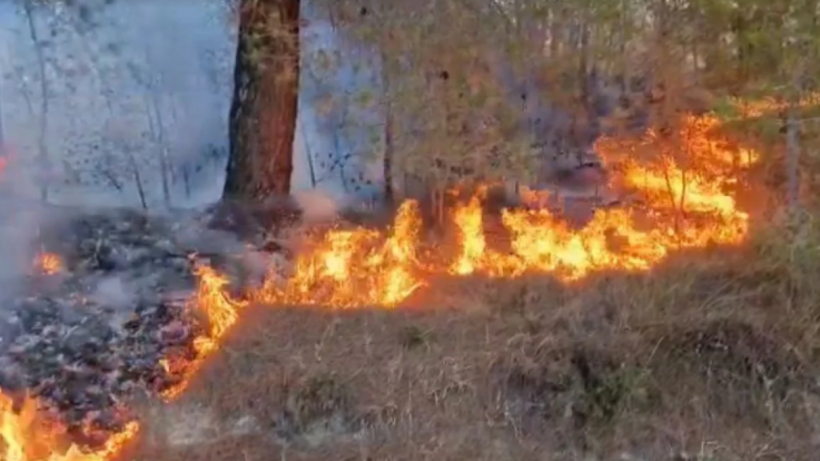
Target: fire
{"x":28,"y":436}
{"x":221,"y":311}
{"x":686,"y":202}
{"x":48,"y":263}
{"x":354,"y":267}
{"x":684,"y":208}
{"x":470,"y":226}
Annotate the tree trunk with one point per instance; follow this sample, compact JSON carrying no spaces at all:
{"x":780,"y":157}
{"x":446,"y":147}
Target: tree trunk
{"x":264,"y":106}
{"x":2,"y":130}
{"x":387,"y":160}
{"x":42,"y":144}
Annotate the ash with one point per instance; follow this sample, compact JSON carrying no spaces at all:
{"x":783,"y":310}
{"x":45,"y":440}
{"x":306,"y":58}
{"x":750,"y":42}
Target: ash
{"x":90,"y":338}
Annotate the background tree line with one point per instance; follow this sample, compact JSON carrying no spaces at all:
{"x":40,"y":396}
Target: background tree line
{"x":489,"y":90}
{"x":498,"y":90}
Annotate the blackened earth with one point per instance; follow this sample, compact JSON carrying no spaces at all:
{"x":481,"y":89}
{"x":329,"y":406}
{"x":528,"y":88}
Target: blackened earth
{"x":87,"y":339}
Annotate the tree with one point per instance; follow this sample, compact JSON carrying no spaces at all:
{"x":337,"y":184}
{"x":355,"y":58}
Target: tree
{"x":42,"y":144}
{"x":264,"y":107}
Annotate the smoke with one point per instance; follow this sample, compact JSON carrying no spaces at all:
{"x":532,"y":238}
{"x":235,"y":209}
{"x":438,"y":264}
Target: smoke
{"x":317,"y":205}
{"x":20,"y":221}
{"x":121,"y":99}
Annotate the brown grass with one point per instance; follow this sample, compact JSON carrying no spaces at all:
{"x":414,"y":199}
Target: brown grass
{"x":699,"y":360}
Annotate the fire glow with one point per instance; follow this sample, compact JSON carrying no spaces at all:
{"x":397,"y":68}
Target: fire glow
{"x":684,"y":205}
{"x":28,"y":436}
{"x":48,"y":263}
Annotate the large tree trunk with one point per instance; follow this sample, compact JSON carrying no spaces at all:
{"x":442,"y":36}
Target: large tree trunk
{"x":263,"y":111}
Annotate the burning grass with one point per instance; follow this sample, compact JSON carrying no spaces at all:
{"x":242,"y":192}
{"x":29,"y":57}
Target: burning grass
{"x":596,"y":340}
{"x":703,"y":359}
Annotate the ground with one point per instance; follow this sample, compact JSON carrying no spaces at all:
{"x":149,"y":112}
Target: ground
{"x":708,"y":360}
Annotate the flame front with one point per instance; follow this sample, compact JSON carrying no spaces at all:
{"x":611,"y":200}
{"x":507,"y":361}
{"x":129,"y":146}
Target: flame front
{"x":357,"y":267}
{"x":686,"y":203}
{"x":221,"y":312}
{"x":684,"y":208}
{"x":27,"y":436}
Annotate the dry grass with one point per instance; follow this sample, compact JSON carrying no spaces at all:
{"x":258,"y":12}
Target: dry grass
{"x":708,"y":361}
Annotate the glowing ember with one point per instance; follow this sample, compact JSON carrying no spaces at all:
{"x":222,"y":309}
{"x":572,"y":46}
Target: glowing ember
{"x":28,"y":436}
{"x":48,"y":263}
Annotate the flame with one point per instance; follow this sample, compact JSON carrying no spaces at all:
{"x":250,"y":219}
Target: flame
{"x":221,"y":312}
{"x":354,"y":267}
{"x":469,"y":223}
{"x":28,"y":436}
{"x":48,"y":263}
{"x":687,"y":203}
{"x":687,"y":207}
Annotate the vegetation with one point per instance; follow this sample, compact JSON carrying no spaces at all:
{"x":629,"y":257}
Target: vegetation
{"x":713,"y":356}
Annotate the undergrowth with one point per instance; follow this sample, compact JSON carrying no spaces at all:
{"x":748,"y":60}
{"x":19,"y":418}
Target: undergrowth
{"x":709,"y":357}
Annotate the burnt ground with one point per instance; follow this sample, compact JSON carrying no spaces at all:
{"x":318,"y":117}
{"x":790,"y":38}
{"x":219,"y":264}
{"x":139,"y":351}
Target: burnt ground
{"x":91,"y":337}
{"x":694,"y":362}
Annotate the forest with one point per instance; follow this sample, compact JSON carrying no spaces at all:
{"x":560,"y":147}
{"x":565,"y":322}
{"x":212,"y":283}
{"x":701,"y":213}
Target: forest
{"x":409,"y":230}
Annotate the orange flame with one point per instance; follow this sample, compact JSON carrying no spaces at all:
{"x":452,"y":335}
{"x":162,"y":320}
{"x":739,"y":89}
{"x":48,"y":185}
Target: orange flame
{"x":48,"y":263}
{"x":354,"y":267}
{"x":221,"y":312}
{"x":27,"y":436}
{"x":686,"y":208}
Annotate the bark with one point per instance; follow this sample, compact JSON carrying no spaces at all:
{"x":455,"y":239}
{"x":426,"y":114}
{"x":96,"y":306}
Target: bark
{"x":264,"y":106}
{"x":387,"y":165}
{"x":792,"y":161}
{"x":387,"y":160}
{"x":2,"y":130}
{"x":309,"y":158}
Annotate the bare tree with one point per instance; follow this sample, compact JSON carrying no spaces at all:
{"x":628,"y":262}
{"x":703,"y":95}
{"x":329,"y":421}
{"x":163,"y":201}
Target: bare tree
{"x":43,"y":157}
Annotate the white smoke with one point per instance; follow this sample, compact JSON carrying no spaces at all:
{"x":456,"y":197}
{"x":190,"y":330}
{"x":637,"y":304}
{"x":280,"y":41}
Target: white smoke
{"x":317,"y":205}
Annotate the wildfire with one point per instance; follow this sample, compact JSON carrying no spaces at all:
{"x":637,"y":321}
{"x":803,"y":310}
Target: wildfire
{"x":354,"y":267}
{"x":28,"y":436}
{"x":48,"y":263}
{"x":686,"y":201}
{"x":221,"y":311}
{"x":683,"y":208}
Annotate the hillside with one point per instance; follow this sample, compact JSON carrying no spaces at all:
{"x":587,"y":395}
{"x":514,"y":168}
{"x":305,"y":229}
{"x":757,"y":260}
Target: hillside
{"x":509,"y":231}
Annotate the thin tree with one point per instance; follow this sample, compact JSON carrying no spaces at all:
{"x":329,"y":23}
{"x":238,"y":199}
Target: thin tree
{"x":42,"y":144}
{"x":264,"y":107}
